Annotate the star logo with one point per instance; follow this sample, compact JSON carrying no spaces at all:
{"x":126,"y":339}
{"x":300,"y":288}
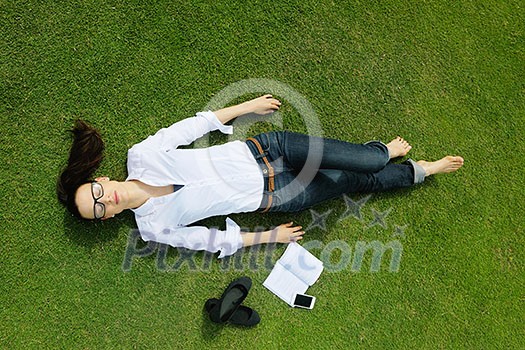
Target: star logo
{"x":354,"y":208}
{"x":318,"y":220}
{"x":379,"y":218}
{"x":400,"y":231}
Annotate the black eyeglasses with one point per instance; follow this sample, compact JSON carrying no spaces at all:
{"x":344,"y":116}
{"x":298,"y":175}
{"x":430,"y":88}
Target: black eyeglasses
{"x":99,"y":209}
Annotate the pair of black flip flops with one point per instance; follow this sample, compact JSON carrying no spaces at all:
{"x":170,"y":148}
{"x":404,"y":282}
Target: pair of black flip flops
{"x":228,"y":308}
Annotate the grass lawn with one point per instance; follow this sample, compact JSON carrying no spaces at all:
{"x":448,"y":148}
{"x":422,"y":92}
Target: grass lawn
{"x":449,"y":76}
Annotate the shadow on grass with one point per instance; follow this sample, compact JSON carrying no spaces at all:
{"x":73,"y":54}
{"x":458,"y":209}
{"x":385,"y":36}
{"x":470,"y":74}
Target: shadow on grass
{"x":209,"y":330}
{"x":92,"y":233}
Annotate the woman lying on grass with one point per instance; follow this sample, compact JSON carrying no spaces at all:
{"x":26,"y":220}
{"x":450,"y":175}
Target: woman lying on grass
{"x":169,"y":188}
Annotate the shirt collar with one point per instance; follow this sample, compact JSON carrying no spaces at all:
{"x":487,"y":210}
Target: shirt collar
{"x":148,"y":207}
{"x":145,"y":209}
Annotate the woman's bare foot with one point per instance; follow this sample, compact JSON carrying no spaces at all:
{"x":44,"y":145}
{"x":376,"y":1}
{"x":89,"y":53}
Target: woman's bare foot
{"x":398,"y":147}
{"x":447,"y":164}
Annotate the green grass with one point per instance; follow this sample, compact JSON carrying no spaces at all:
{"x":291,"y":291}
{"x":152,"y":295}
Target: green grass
{"x":447,"y":76}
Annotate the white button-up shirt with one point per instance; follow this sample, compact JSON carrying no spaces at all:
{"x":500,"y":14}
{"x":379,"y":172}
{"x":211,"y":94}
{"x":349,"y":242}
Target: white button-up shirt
{"x":217,"y":180}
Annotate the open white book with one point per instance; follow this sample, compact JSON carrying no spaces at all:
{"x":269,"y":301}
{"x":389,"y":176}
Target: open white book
{"x":293,"y":273}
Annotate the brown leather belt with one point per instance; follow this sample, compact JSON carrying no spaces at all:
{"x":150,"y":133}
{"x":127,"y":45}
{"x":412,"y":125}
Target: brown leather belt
{"x":267,"y":197}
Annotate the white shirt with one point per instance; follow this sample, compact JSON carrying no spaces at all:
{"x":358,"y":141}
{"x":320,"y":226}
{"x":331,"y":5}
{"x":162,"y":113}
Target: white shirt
{"x":217,"y":180}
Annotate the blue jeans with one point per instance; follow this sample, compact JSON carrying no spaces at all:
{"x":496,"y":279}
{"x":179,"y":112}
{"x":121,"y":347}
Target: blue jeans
{"x":310,"y":170}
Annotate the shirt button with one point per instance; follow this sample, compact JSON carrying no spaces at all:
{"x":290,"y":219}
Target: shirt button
{"x":265,"y":171}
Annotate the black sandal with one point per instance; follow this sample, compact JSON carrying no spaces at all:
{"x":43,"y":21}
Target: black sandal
{"x":243,"y":316}
{"x":224,"y":308}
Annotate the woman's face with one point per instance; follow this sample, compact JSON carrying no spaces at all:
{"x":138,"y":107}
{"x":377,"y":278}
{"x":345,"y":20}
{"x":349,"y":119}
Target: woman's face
{"x":101,"y":199}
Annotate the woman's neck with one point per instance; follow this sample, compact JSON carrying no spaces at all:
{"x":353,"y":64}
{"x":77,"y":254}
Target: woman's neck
{"x":139,"y":192}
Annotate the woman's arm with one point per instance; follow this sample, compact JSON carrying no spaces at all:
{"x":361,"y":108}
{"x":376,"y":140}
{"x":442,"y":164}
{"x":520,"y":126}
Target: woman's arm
{"x":284,"y":233}
{"x":261,"y":105}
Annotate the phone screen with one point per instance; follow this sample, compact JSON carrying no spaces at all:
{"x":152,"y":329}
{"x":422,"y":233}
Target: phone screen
{"x":303,"y":300}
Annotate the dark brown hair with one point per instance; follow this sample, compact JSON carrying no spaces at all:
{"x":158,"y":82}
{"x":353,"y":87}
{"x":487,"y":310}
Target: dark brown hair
{"x":84,"y":158}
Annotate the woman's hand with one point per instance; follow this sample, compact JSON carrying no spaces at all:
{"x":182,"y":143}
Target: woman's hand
{"x":262,"y":105}
{"x":284,"y":233}
{"x":287,"y":233}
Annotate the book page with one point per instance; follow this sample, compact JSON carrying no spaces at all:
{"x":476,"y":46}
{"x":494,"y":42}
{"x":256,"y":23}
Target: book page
{"x":284,"y":284}
{"x":302,"y":263}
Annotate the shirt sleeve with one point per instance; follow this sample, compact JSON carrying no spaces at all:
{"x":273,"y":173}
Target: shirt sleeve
{"x":200,"y":238}
{"x":185,"y":132}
